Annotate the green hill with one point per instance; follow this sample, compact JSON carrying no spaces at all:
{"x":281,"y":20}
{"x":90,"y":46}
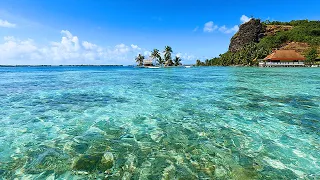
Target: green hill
{"x":302,"y":31}
{"x":256,"y":39}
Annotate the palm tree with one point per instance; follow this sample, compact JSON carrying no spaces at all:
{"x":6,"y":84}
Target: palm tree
{"x":139,"y":60}
{"x":160,"y":60}
{"x":167,"y":55}
{"x":155,"y":54}
{"x":198,"y":62}
{"x":207,"y":62}
{"x":177,"y":61}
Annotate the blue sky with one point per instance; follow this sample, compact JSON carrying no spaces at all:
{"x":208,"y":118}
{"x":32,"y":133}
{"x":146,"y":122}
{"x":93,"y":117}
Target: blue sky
{"x":114,"y":32}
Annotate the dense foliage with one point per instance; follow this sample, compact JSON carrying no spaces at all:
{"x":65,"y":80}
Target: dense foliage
{"x":247,"y":56}
{"x":302,"y":31}
{"x":311,"y":56}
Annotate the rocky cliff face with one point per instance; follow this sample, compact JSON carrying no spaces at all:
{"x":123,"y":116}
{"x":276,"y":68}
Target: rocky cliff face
{"x":251,"y":31}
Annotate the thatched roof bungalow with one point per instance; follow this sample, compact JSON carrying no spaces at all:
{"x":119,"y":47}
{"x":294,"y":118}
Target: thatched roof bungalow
{"x":147,"y":62}
{"x":283,"y":58}
{"x":285,"y":55}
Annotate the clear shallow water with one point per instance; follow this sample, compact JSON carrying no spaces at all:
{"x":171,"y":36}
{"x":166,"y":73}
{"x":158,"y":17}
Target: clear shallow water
{"x":198,"y":123}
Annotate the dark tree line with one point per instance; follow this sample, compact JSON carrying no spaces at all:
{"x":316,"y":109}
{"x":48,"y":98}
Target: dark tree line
{"x":247,"y":56}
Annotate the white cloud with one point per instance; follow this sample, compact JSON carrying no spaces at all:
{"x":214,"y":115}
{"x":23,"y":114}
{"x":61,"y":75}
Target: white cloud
{"x":147,"y":53}
{"x":121,"y":48}
{"x":226,"y":30}
{"x":135,"y":47}
{"x":186,"y":58}
{"x":66,"y":33}
{"x":88,"y":46}
{"x":17,"y":48}
{"x":223,"y":28}
{"x":6,"y":24}
{"x":234,"y":29}
{"x":209,"y":27}
{"x":244,"y":19}
{"x":69,"y":50}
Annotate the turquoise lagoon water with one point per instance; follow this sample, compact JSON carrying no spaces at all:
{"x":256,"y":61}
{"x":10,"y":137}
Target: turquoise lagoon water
{"x":130,"y":123}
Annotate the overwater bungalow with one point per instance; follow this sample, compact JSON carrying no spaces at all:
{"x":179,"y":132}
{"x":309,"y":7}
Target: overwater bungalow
{"x":283,"y":58}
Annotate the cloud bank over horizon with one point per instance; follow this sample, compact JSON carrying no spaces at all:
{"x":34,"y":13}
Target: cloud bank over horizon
{"x":70,"y":51}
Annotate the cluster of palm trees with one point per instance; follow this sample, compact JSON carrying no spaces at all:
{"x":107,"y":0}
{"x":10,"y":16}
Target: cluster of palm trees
{"x":166,"y":60}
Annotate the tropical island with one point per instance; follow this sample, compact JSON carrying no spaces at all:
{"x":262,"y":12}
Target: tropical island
{"x":257,"y":41}
{"x":157,"y":59}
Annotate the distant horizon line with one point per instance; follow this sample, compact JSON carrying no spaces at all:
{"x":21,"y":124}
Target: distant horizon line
{"x":42,"y":65}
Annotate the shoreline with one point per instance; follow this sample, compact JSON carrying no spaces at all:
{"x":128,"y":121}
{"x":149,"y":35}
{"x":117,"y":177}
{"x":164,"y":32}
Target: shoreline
{"x":60,"y":65}
{"x":13,"y":66}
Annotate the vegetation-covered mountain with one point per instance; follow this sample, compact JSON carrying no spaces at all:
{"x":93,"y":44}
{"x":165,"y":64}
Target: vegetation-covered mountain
{"x":256,"y":39}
